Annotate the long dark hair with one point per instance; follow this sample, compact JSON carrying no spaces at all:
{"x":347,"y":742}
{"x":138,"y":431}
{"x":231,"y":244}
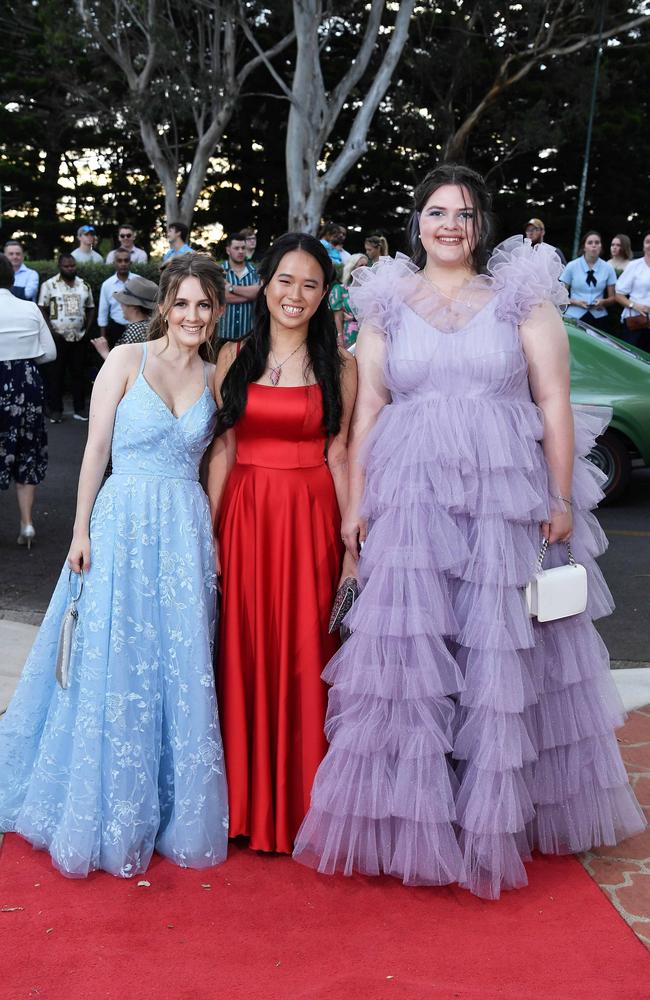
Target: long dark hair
{"x":480,"y":200}
{"x":323,"y":357}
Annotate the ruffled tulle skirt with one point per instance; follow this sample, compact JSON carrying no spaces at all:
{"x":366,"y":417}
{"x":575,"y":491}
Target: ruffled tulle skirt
{"x":462,"y":734}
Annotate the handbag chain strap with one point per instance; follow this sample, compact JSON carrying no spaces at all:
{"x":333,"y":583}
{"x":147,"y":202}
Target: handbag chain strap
{"x":544,"y":549}
{"x":80,"y":578}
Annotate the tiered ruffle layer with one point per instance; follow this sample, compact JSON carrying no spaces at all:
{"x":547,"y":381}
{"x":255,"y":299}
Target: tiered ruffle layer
{"x":463,"y":735}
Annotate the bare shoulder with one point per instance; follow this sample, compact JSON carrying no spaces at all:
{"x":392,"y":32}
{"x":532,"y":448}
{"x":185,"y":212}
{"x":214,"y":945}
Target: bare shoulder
{"x":124,"y":359}
{"x":227,"y":355}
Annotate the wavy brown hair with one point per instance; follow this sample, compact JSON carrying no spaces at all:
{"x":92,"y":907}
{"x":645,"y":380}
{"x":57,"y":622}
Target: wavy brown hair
{"x":211,"y":278}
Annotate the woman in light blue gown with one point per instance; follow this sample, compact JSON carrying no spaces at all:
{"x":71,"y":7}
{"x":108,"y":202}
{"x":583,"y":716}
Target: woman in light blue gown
{"x":128,"y":757}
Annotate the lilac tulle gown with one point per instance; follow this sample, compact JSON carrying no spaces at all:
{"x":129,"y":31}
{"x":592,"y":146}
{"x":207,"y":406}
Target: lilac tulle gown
{"x":463,"y":734}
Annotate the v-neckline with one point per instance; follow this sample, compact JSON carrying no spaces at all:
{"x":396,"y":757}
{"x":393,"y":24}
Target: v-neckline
{"x":171,"y":412}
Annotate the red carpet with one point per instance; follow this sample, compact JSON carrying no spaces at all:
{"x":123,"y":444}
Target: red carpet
{"x":264,"y":928}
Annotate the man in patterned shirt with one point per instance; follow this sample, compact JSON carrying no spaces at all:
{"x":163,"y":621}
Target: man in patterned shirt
{"x":242,"y":286}
{"x":67,"y":303}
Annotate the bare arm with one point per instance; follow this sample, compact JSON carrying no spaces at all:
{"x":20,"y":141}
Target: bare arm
{"x":220,"y":456}
{"x":629,"y":303}
{"x":110,"y":386}
{"x":243,"y":293}
{"x":338,"y":322}
{"x":372,"y":396}
{"x":546,"y":347}
{"x":337,"y":449}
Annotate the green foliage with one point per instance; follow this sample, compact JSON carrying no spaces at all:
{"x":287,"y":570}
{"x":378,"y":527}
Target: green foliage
{"x":63,"y":102}
{"x":94,"y":274}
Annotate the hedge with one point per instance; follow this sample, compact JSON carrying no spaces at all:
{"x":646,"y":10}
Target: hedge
{"x":94,"y":274}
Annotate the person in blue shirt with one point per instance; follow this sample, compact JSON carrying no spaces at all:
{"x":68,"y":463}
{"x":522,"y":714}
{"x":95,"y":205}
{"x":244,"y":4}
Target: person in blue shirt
{"x":328,"y":233}
{"x":110,"y":318}
{"x":590,"y":283}
{"x":24,"y":277}
{"x":177,"y":233}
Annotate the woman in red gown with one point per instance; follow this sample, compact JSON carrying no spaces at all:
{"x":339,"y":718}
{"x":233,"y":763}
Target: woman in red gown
{"x":277,"y":481}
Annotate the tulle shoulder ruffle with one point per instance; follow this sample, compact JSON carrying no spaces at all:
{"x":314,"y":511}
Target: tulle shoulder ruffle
{"x":525,"y":275}
{"x":377,"y":292}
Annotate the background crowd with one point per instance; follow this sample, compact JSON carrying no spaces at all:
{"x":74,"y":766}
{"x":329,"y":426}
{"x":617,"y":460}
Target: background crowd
{"x":92,"y":304}
{"x":89,"y":312}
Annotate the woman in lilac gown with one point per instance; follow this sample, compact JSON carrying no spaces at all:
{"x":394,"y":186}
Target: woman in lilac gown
{"x":464,"y":734}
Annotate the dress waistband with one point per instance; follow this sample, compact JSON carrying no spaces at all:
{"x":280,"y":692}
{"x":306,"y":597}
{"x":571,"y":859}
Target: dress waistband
{"x":271,"y":453}
{"x":154,"y":475}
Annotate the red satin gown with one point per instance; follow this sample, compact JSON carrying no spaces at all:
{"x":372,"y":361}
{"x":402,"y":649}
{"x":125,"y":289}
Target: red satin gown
{"x":281,"y":551}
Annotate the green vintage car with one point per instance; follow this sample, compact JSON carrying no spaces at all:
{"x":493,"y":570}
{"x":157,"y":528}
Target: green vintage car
{"x":608,"y":374}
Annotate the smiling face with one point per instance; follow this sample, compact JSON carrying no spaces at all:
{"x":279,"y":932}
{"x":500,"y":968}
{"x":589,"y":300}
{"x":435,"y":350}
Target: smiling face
{"x":190,"y":314}
{"x":294,"y":292}
{"x":448,"y":226}
{"x":592,"y":247}
{"x":126,"y":237}
{"x":14,"y":254}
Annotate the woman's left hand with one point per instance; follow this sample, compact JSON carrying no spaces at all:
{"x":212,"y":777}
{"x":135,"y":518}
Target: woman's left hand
{"x":349,"y":568}
{"x":559,"y":528}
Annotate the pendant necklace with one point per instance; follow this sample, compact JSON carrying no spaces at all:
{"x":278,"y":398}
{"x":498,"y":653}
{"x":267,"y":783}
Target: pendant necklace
{"x":276,"y":372}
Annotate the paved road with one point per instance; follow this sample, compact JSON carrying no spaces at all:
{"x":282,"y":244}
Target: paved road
{"x":27,"y":579}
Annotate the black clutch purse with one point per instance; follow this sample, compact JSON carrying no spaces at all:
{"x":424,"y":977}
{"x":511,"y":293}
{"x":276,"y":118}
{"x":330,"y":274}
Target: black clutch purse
{"x":346,"y":595}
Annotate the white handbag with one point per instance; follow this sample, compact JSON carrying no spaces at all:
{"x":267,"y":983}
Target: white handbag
{"x":66,"y":634}
{"x":557,"y":593}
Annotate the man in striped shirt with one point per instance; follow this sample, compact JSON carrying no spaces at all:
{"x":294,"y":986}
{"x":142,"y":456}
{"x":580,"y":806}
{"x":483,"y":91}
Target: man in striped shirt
{"x":242,"y":286}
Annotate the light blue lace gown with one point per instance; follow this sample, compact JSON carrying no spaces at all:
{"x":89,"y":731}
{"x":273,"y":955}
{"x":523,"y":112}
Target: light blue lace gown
{"x":129,"y":757}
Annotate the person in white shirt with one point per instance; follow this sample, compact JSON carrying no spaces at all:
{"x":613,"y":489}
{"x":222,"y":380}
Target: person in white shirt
{"x":68,"y":305}
{"x":126,"y":236}
{"x":24,"y":277}
{"x":25,"y":342}
{"x":84,"y":253}
{"x":110,"y":319}
{"x":633,"y":292}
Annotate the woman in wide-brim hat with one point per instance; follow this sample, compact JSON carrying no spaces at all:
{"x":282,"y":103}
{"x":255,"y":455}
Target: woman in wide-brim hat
{"x":137,"y":298}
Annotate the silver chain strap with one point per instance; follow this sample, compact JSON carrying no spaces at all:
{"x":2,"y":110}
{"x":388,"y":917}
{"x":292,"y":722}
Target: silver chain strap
{"x":544,"y":549}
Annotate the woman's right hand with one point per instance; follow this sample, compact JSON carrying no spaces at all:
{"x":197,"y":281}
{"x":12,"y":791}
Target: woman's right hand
{"x":353,"y":532}
{"x":79,"y":554}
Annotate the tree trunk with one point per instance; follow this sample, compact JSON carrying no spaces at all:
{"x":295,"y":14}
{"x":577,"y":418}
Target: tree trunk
{"x":314,"y":112}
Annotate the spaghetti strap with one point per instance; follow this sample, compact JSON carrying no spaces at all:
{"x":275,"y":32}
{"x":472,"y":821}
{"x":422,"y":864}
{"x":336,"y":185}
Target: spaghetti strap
{"x":144,"y":357}
{"x":205,"y":374}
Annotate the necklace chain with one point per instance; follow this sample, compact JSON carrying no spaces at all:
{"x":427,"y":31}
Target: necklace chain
{"x":452,"y":298}
{"x":276,"y":372}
